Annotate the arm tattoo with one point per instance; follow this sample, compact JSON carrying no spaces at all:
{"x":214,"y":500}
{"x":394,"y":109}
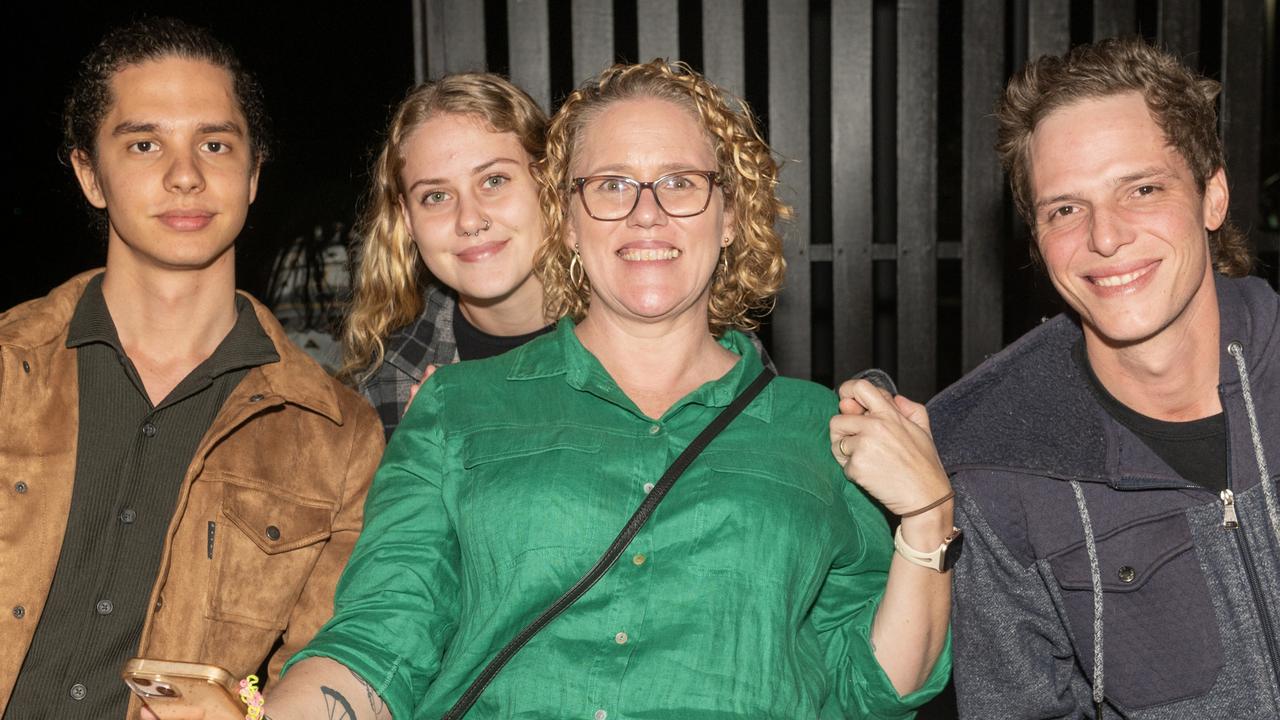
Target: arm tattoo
{"x":375,"y":701}
{"x":337,"y":705}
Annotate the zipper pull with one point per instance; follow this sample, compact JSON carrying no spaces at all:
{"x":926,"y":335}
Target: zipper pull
{"x":1229,"y":519}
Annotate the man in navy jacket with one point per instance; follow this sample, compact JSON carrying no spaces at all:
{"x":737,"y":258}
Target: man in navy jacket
{"x":1117,"y":466}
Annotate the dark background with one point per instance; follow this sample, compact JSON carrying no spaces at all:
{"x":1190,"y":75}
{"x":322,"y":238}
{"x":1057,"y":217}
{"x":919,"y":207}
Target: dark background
{"x":331,"y":73}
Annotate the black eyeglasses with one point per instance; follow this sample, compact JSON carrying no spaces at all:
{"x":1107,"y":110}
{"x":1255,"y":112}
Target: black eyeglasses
{"x":614,"y":197}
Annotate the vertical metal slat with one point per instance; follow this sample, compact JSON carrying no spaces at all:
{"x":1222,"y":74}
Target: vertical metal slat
{"x":789,"y":135}
{"x":851,"y":166}
{"x":530,"y":48}
{"x":982,"y":203}
{"x":658,"y":29}
{"x":917,"y":76}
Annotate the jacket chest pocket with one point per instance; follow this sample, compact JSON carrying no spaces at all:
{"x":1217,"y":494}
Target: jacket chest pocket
{"x":264,"y":546}
{"x":1160,"y":632}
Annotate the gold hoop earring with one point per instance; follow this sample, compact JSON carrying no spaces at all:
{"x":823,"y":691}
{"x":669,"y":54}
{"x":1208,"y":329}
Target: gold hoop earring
{"x":577,"y":275}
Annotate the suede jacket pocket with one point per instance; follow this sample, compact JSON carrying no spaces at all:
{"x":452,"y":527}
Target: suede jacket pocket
{"x":1160,"y":636}
{"x":264,"y":545}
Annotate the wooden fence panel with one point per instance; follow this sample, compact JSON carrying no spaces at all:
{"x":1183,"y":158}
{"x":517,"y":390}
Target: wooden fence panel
{"x":658,"y":29}
{"x":722,"y":44}
{"x":1179,"y":27}
{"x":450,"y":35}
{"x":1243,"y":39}
{"x":917,"y":196}
{"x":1048,"y":27}
{"x":792,"y":324}
{"x":851,"y":175}
{"x":1114,"y":18}
{"x":982,"y":205}
{"x":529,"y":48}
{"x":592,"y":38}
{"x":455,"y":36}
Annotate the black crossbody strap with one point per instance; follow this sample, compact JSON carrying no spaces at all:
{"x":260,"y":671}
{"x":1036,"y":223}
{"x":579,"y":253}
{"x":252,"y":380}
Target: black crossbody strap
{"x":619,"y":544}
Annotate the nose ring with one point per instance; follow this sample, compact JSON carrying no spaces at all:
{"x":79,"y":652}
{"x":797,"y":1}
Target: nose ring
{"x":487,"y":225}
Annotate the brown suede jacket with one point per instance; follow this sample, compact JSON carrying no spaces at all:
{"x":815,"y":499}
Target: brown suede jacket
{"x":291,"y":448}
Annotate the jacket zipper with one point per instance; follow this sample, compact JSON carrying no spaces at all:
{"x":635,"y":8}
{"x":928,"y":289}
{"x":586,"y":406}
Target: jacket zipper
{"x":1229,"y":519}
{"x":1246,"y":556}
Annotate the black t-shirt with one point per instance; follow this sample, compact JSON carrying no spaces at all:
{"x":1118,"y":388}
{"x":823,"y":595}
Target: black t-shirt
{"x":1196,"y":450}
{"x":476,"y":344}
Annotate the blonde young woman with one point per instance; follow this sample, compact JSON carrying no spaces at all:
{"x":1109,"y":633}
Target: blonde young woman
{"x":764,"y":586}
{"x":445,"y":266}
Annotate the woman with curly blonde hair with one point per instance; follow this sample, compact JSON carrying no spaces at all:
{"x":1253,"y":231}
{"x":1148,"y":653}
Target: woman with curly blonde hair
{"x":765,"y":584}
{"x":447,"y":236}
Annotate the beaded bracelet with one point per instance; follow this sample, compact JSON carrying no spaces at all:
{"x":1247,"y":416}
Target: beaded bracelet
{"x":252,"y":698}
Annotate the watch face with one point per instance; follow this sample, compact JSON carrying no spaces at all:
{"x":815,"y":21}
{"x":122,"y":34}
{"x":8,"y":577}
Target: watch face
{"x":952,"y":554}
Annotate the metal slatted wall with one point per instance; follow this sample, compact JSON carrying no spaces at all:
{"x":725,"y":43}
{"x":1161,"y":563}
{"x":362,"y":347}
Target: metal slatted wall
{"x":877,"y":273}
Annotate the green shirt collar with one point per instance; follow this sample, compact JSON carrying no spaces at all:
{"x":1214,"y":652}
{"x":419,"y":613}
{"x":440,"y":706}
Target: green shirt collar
{"x":561,"y":353}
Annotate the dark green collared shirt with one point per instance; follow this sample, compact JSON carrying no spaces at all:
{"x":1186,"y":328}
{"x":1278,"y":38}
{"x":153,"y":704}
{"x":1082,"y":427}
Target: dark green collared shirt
{"x":749,"y":594}
{"x":130,"y":463}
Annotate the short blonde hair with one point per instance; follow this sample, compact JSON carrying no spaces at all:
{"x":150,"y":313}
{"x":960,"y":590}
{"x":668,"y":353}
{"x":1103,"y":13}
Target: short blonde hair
{"x":1180,"y":101}
{"x":748,"y":176}
{"x":390,"y":277}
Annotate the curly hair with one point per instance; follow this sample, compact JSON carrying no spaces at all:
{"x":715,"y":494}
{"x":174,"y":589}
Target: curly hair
{"x":748,"y":176}
{"x":1180,"y":102}
{"x":143,"y":40}
{"x":390,"y":278}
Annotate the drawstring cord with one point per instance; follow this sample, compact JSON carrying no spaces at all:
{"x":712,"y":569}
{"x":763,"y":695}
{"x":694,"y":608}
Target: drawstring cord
{"x":1268,"y":493}
{"x":1095,"y":577}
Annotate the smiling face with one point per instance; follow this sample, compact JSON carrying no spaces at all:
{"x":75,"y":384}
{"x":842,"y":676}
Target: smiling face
{"x":173,"y":166}
{"x":1120,"y":223}
{"x":461,"y":177}
{"x":648,"y":266}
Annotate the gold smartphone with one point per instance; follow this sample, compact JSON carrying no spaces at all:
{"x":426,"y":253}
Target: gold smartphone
{"x":184,"y":691}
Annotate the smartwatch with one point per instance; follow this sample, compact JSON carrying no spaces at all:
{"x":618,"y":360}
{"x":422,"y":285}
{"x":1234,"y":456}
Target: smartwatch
{"x":941,"y":560}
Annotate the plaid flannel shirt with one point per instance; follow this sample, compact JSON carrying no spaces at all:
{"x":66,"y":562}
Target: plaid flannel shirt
{"x":428,"y":340}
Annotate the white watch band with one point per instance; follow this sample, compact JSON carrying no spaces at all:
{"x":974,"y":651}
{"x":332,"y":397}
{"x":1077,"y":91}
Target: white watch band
{"x":933,"y":560}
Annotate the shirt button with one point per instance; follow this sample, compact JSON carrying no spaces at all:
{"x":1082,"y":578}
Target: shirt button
{"x":19,"y":611}
{"x":78,"y":692}
{"x":149,"y":430}
{"x":255,"y":398}
{"x":273,"y":532}
{"x":1127,"y":574}
{"x":648,"y":488}
{"x":638,"y":559}
{"x":620,"y":638}
{"x":159,"y":603}
{"x":20,"y":487}
{"x":105,"y":607}
{"x":128,"y":515}
{"x":655,"y":429}
{"x":600,"y":715}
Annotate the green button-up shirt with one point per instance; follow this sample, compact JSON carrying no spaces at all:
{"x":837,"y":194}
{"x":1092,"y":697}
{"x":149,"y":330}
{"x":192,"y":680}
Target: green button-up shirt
{"x":750,"y":592}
